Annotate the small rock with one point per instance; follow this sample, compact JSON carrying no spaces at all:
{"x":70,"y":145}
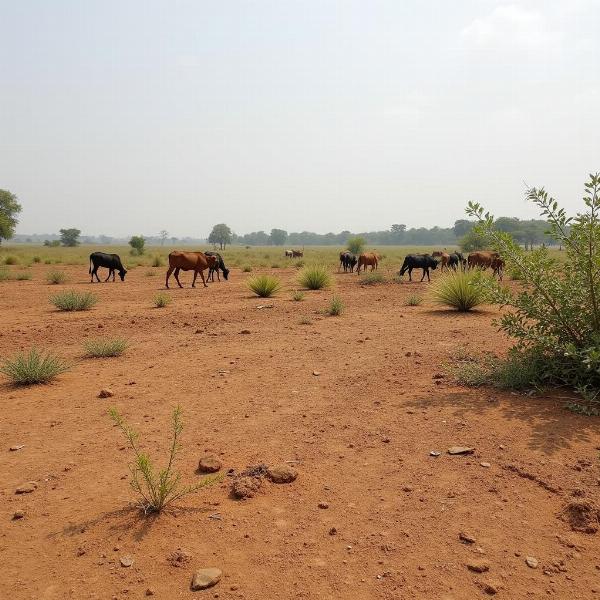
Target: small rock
{"x":316,"y":373}
{"x":323,"y":505}
{"x":106,"y":393}
{"x":531,"y":562}
{"x":126,"y":561}
{"x":282,"y":473}
{"x":27,"y":488}
{"x":245,"y":332}
{"x":18,"y":447}
{"x":150,"y":592}
{"x":386,"y":440}
{"x":478,"y":566}
{"x":179,"y":557}
{"x":209,"y":464}
{"x":463,"y":536}
{"x":205,"y":578}
{"x":434,"y":453}
{"x":407,"y":488}
{"x":245,"y":487}
{"x":18,"y":514}
{"x":486,"y":465}
{"x":460,"y":450}
{"x":332,"y":531}
{"x":488,"y":587}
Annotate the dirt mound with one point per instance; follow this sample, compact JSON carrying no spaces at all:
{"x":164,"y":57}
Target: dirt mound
{"x":581,"y":516}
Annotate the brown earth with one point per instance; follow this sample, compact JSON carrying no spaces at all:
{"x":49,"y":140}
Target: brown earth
{"x":359,"y":434}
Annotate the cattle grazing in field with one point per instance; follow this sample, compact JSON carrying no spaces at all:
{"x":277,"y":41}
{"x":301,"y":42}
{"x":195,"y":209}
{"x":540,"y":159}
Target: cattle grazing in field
{"x":219,"y":265}
{"x":418,"y":261}
{"x":366,"y":259}
{"x":112,"y":262}
{"x":456,"y":261}
{"x":289,"y":254}
{"x":444,"y":259}
{"x":348,"y":261}
{"x":486,"y":259}
{"x":189,"y":261}
{"x":297,"y":253}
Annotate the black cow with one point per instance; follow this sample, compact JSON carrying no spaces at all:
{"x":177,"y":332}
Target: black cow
{"x":348,"y":261}
{"x":111,"y":261}
{"x":418,"y":261}
{"x":220,"y":265}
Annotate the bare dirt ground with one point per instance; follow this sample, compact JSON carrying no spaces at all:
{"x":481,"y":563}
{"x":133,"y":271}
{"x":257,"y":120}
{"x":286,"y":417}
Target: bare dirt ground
{"x":360,"y":435}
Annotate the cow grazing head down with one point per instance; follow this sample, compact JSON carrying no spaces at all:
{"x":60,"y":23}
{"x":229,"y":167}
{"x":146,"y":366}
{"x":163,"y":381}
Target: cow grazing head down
{"x":122,"y":274}
{"x":225,"y":272}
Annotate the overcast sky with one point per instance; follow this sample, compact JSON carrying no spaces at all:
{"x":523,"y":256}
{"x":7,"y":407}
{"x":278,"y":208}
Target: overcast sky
{"x":132,"y":116}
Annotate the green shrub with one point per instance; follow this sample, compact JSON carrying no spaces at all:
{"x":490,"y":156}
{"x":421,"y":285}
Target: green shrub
{"x":72,"y":300}
{"x":11,"y":260}
{"x":33,"y":367}
{"x":137,"y":243}
{"x":156,"y":489}
{"x":414,"y":300}
{"x":356,"y":245}
{"x":460,"y":290}
{"x":158,"y":261}
{"x":336,"y":307}
{"x":555,"y":314}
{"x":23,"y":276}
{"x":299,"y":263}
{"x":371,"y":278}
{"x":298,"y":296}
{"x":316,"y":277}
{"x":247,"y":269}
{"x":37,"y":259}
{"x":48,"y":261}
{"x":56,"y":277}
{"x":105,"y":347}
{"x":5,"y":275}
{"x":264,"y":285}
{"x":161,"y":300}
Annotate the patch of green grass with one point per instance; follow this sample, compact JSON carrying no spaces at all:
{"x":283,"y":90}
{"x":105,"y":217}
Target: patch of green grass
{"x":264,"y":285}
{"x":37,"y":259}
{"x":161,"y":300}
{"x":299,"y":264}
{"x":56,"y":277}
{"x":5,"y":274}
{"x":336,"y":307}
{"x":371,"y":278}
{"x":23,"y":276}
{"x":33,"y":368}
{"x":298,"y":296}
{"x":316,"y":277}
{"x":105,"y":347}
{"x":247,"y":269}
{"x":414,"y":300}
{"x":11,"y":260}
{"x":460,"y":290}
{"x":72,"y":300}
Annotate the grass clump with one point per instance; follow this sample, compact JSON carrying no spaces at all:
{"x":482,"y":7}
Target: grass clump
{"x":4,"y":274}
{"x":56,"y":277}
{"x":37,"y":259}
{"x":161,"y":300}
{"x":33,"y":368}
{"x":264,"y":285}
{"x":299,"y":264}
{"x":11,"y":260}
{"x":72,"y":300}
{"x":23,"y":276}
{"x":275,"y":266}
{"x":298,"y":296}
{"x":414,"y":300}
{"x":305,"y":321}
{"x":460,"y":290}
{"x":372,"y":278}
{"x":105,"y":347}
{"x":158,"y":261}
{"x":316,"y":277}
{"x":247,"y":269}
{"x":336,"y":307}
{"x":156,"y":489}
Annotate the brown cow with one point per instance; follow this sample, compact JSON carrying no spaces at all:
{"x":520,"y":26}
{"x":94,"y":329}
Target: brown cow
{"x":444,"y":259}
{"x":188,"y":261}
{"x":498,"y":267}
{"x":486,"y":259}
{"x":367,"y":258}
{"x":297,"y":253}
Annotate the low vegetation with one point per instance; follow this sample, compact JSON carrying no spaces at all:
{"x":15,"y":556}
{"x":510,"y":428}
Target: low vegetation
{"x":56,"y":277}
{"x":72,"y":300}
{"x":23,"y":276}
{"x":356,"y":245}
{"x":158,"y":261}
{"x":33,"y":367}
{"x":161,"y":300}
{"x":414,"y":300}
{"x":156,"y":489}
{"x":336,"y":307}
{"x":11,"y":260}
{"x":460,"y":290}
{"x":316,"y":277}
{"x":247,"y":269}
{"x":298,"y":296}
{"x":264,"y":286}
{"x":105,"y":347}
{"x":371,"y":278}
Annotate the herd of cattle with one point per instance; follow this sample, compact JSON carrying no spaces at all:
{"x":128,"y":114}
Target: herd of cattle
{"x":213,"y":261}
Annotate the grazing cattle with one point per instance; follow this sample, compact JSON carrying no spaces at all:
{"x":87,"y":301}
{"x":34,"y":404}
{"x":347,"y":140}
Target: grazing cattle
{"x":348,"y":261}
{"x":297,"y":253}
{"x":486,"y":259}
{"x":444,"y":259}
{"x":498,"y":267}
{"x":418,"y":261}
{"x":110,"y":261}
{"x":189,"y":261}
{"x":456,"y":261}
{"x":289,"y":254}
{"x":365,"y":259}
{"x":220,"y":265}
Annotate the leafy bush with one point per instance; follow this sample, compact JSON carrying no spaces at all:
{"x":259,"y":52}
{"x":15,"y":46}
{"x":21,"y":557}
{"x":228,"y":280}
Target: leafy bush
{"x":356,"y":244}
{"x":298,"y":296}
{"x":33,"y":367}
{"x":414,"y":300}
{"x":11,"y":260}
{"x":56,"y":277}
{"x":104,"y":347}
{"x":72,"y":300}
{"x":314,"y":278}
{"x":264,"y":285}
{"x":137,"y":243}
{"x":555,"y":315}
{"x":157,"y":489}
{"x":23,"y":276}
{"x":247,"y":269}
{"x":336,"y":307}
{"x":473,"y":240}
{"x":37,"y":259}
{"x":460,"y":290}
{"x":371,"y":278}
{"x":161,"y":300}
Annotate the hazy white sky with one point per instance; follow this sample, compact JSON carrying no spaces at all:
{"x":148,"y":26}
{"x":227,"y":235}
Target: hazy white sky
{"x":130,"y":116}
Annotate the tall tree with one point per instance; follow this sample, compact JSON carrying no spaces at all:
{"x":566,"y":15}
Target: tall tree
{"x":278,"y":237}
{"x":70,"y":237}
{"x":164,"y":234}
{"x":220,"y":234}
{"x":9,"y":208}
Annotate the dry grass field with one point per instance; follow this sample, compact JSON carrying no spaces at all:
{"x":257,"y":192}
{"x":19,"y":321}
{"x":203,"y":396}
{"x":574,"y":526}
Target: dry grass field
{"x":361,"y":405}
